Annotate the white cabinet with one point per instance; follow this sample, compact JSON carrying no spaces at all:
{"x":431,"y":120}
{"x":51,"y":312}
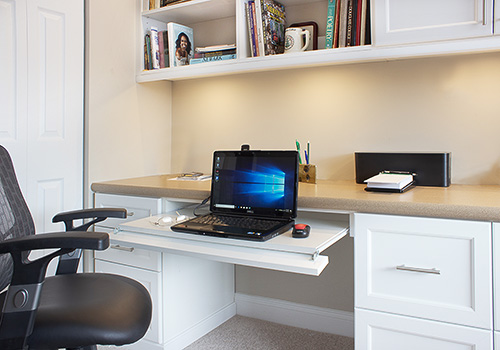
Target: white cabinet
{"x":381,"y":331}
{"x":430,"y":269}
{"x":179,"y":286}
{"x":411,"y":21}
{"x":496,"y":275}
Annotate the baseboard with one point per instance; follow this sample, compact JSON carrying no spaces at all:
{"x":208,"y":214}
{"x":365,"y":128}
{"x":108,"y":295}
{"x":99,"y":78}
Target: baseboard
{"x":202,"y":328}
{"x":297,"y":315}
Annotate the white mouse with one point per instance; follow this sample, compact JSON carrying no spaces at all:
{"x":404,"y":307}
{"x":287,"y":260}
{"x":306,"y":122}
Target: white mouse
{"x":181,"y":218}
{"x":164,"y":220}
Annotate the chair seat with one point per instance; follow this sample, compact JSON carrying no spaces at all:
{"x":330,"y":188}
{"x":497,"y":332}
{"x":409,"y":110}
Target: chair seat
{"x":87,"y":309}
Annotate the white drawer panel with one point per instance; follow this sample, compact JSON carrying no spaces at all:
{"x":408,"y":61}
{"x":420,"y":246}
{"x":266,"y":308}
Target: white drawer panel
{"x":432,"y":268}
{"x":152,"y":282}
{"x":381,"y":331}
{"x":137,"y":207}
{"x":131,"y":256}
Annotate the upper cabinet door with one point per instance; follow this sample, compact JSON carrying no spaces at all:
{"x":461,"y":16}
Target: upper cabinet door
{"x":496,"y":23}
{"x":415,"y":21}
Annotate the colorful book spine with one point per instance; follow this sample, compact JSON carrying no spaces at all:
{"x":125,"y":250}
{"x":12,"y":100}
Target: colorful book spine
{"x":155,"y":48}
{"x":148,"y":57}
{"x":250,"y":7}
{"x":255,"y":33}
{"x":259,"y":27}
{"x":161,"y":49}
{"x":336,"y":25}
{"x":330,"y":24}
{"x":212,"y":59}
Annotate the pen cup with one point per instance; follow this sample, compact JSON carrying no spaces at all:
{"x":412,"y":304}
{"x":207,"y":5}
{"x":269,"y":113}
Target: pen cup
{"x":307,"y":173}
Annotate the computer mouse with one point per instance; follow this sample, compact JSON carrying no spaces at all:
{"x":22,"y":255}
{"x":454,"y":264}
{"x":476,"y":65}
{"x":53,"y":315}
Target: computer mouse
{"x":301,"y":231}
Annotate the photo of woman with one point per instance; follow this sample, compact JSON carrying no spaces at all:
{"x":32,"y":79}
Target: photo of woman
{"x":182,"y":50}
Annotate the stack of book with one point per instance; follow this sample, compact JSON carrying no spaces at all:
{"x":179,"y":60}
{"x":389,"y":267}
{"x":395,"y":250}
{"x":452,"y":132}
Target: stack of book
{"x":387,"y":181}
{"x":266,"y":27}
{"x":170,"y":2}
{"x":347,"y":23}
{"x":214,"y":53}
{"x":156,"y":49}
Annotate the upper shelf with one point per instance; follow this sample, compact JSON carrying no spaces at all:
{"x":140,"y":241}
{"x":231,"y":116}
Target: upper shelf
{"x":194,"y":11}
{"x":348,"y":55}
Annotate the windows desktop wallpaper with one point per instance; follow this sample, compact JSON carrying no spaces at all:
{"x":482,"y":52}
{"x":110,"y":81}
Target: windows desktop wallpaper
{"x":256,"y":182}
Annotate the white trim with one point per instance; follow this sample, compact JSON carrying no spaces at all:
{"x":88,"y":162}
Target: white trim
{"x":296,"y":315}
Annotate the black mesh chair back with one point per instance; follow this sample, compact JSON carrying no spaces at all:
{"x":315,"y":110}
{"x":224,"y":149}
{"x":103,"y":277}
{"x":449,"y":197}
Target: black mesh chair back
{"x":15,"y":217}
{"x":69,"y":310}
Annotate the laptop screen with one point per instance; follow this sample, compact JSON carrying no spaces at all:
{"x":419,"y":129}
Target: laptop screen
{"x":260,"y":183}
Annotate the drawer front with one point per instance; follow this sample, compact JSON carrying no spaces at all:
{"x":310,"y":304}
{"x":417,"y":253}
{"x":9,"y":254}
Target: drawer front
{"x":433,"y":268}
{"x":152,"y":282}
{"x":137,"y":207}
{"x":131,"y":256}
{"x":496,"y":275}
{"x":380,"y":331}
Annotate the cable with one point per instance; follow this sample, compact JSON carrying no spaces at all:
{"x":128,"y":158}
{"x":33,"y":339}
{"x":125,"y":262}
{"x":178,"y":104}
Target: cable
{"x":199,"y":205}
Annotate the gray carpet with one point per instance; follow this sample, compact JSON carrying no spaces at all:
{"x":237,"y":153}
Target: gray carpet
{"x":243,"y":333}
{"x":247,"y":333}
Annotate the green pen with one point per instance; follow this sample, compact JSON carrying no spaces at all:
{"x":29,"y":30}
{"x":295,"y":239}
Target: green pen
{"x":297,"y":144}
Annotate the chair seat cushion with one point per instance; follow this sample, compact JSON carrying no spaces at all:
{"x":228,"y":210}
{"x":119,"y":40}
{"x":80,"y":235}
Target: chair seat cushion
{"x":87,"y":309}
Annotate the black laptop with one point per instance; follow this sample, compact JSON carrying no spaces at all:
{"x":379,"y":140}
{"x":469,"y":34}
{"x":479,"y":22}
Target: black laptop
{"x":253,"y":196}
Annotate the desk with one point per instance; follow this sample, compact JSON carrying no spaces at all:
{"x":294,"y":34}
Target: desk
{"x":347,"y":199}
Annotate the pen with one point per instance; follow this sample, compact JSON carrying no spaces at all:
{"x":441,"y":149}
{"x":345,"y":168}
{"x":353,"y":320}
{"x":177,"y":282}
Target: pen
{"x":308,"y":154}
{"x":297,"y":144}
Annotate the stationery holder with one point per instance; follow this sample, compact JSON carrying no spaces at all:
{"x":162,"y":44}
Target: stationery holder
{"x":307,"y":173}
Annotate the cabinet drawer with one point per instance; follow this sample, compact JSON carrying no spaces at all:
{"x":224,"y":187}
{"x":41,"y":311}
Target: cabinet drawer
{"x":432,"y":268}
{"x":152,"y":282}
{"x":137,"y":207}
{"x":380,"y":331}
{"x":131,"y":256}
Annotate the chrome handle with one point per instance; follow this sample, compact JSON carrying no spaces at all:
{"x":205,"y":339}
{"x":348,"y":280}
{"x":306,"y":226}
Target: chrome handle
{"x":433,"y":271}
{"x":484,"y":12}
{"x":119,"y":247}
{"x":130,"y":213}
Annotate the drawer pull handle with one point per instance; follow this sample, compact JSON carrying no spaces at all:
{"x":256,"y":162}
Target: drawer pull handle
{"x":433,"y":271}
{"x":119,"y":247}
{"x":130,"y":213}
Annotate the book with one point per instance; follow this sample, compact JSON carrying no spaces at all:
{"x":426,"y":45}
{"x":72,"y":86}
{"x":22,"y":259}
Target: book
{"x":148,"y":61}
{"x":214,"y":53}
{"x":248,"y":8}
{"x":259,"y":28}
{"x":330,"y":24}
{"x":180,"y":44}
{"x":216,"y":48}
{"x":255,"y":34}
{"x":273,"y":22}
{"x":155,"y":48}
{"x":212,"y":58}
{"x":344,"y":5}
{"x":389,"y":180}
{"x":336,"y":25}
{"x":163,"y":35}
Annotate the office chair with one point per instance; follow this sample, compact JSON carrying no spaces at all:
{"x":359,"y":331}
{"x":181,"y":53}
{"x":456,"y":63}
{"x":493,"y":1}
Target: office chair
{"x":69,"y":310}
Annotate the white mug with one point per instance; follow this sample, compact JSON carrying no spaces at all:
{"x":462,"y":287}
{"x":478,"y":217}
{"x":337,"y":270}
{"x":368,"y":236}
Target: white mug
{"x":294,"y":41}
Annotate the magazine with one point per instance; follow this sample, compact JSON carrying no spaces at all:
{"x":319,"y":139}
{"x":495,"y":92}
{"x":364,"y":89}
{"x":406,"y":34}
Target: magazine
{"x":180,"y":44}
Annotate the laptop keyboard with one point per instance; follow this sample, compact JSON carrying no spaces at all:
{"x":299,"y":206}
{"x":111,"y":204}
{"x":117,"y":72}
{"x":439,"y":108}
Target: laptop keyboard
{"x":243,"y":222}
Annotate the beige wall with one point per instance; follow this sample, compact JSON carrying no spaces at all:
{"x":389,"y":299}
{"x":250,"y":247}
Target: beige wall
{"x":128,"y":124}
{"x":434,"y":104}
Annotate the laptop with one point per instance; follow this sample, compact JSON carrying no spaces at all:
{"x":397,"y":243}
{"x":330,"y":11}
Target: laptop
{"x":253,"y":196}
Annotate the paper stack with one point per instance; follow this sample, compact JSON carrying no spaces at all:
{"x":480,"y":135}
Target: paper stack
{"x":390,"y":181}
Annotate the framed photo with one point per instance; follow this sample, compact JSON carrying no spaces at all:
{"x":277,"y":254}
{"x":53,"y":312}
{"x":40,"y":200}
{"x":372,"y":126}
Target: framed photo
{"x":312,"y":27}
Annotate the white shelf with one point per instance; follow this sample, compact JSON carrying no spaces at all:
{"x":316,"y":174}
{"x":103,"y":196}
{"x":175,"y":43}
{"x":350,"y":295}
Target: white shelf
{"x":338,"y":56}
{"x":194,"y":11}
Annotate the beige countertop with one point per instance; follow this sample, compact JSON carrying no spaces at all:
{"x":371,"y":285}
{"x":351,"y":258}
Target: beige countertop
{"x":473,"y":202}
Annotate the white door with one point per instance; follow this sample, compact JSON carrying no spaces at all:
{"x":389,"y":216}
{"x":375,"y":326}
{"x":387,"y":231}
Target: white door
{"x":496,"y":23}
{"x":41,"y":89}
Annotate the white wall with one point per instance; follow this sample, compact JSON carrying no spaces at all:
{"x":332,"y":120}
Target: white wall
{"x":128,"y":124}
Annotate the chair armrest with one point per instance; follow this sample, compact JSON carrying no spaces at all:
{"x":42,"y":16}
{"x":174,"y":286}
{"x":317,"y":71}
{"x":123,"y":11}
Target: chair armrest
{"x":100,"y":214}
{"x":64,"y":240}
